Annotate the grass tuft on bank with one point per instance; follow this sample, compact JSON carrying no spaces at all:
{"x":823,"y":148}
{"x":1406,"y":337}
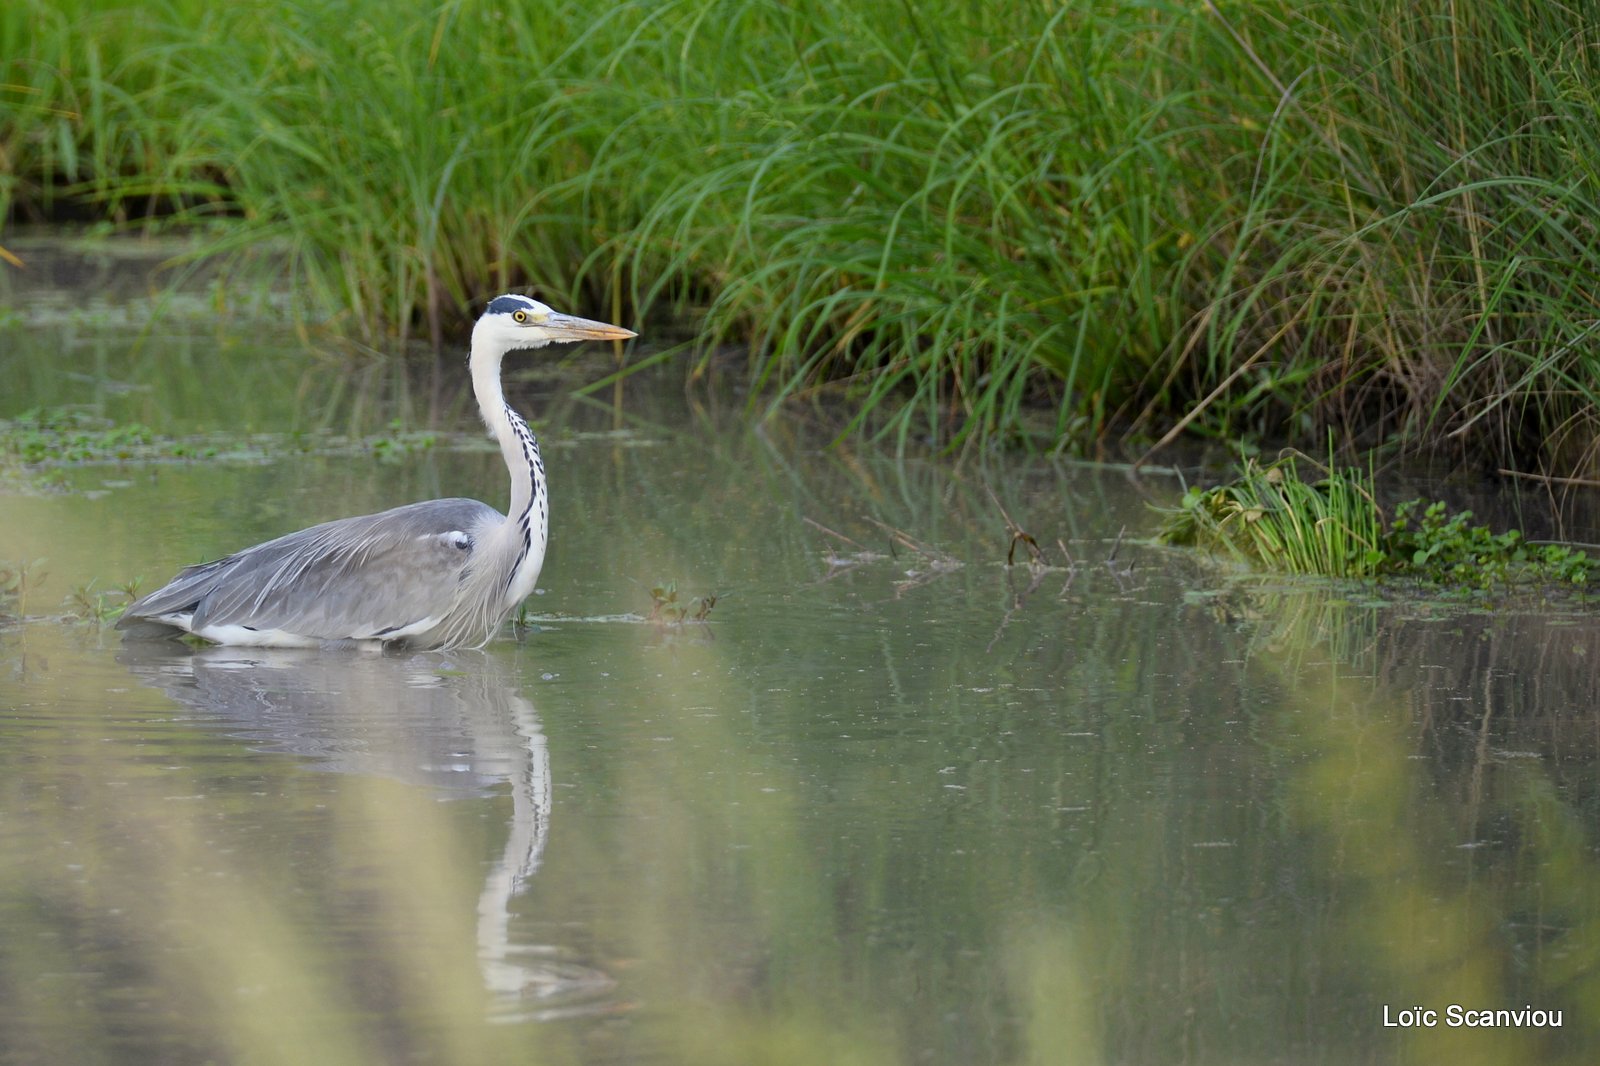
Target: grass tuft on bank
{"x":1273,"y":516}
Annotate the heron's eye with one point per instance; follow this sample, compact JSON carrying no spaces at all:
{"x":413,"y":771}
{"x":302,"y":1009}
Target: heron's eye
{"x":519,"y":316}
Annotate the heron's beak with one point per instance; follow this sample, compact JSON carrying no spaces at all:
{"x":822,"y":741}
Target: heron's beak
{"x":570,"y":328}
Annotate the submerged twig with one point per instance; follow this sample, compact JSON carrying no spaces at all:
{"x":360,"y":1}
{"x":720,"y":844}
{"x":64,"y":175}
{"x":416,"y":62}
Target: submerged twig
{"x":1072,"y":567}
{"x":938,"y":562}
{"x":1118,"y":572}
{"x":1072,"y":564}
{"x":910,"y":543}
{"x":839,"y":564}
{"x":814,"y":524}
{"x":1116,"y":546}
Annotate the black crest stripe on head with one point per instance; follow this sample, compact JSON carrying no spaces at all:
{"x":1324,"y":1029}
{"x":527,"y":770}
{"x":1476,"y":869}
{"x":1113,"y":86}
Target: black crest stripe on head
{"x":504,"y":305}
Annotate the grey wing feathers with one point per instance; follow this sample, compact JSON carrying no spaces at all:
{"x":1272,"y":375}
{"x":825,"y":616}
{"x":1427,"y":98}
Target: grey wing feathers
{"x":364,"y":577}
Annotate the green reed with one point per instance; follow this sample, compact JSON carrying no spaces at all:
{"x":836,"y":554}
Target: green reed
{"x":1257,"y":220}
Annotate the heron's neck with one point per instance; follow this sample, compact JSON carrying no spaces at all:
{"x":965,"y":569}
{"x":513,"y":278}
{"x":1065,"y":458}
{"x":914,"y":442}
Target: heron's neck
{"x":518,"y":447}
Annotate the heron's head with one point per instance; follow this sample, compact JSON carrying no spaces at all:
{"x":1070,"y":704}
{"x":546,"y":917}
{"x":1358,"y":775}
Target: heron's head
{"x":513,"y":322}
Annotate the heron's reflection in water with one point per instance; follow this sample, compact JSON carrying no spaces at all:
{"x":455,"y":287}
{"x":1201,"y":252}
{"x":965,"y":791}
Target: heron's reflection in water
{"x":454,"y":722}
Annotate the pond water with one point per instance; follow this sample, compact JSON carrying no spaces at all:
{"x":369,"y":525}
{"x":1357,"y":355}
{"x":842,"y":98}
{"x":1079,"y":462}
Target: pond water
{"x":892,"y":801}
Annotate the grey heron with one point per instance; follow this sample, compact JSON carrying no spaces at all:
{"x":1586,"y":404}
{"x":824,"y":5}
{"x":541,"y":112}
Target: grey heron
{"x":443,"y":573}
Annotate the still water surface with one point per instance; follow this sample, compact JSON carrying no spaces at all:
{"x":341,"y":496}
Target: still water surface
{"x":894,"y":802}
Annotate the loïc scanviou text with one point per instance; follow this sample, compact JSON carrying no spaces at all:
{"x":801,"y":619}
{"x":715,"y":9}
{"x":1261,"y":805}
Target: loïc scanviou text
{"x":1455,"y":1016}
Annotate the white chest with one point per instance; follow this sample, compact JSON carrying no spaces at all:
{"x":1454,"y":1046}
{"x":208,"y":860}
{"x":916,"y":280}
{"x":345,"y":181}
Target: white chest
{"x":531,"y":533}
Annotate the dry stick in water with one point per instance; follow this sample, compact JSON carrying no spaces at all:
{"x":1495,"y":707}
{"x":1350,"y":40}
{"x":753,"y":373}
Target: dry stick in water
{"x":1072,"y":567}
{"x":906,"y":540}
{"x":832,"y":533}
{"x":1116,"y":546}
{"x":840,"y":564}
{"x":1066,"y":554}
{"x":1036,"y":555}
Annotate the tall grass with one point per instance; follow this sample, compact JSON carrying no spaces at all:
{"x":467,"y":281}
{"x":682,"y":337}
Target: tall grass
{"x":1248,"y":219}
{"x":1416,"y":258}
{"x":94,"y":122}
